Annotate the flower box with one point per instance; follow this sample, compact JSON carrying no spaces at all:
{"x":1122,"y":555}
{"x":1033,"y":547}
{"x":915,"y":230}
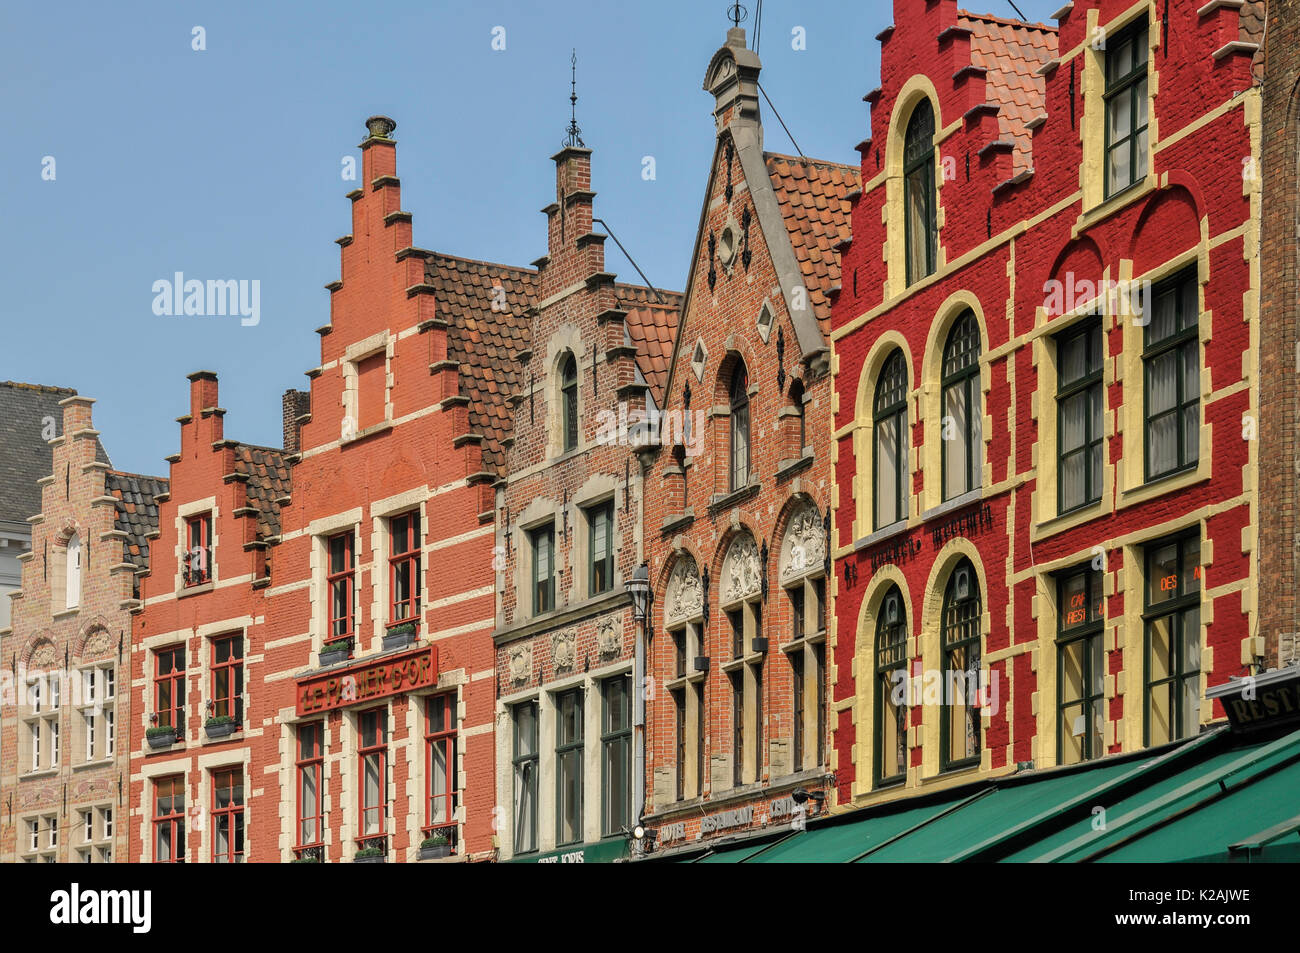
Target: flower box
{"x":399,"y":636}
{"x":334,"y":652}
{"x":435,"y":847}
{"x":222,"y":726}
{"x":161,"y":736}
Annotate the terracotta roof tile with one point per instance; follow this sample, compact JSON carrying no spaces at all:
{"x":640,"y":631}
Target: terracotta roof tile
{"x":137,"y":512}
{"x":813,"y":196}
{"x":651,"y":326}
{"x":1011,"y":52}
{"x":268,"y":481}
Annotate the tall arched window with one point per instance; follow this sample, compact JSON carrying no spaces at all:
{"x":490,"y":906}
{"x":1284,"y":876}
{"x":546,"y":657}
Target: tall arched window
{"x":889,"y":445}
{"x":739,"y":427}
{"x":959,"y":728}
{"x":919,"y":200}
{"x":962,"y":413}
{"x":890,"y":756}
{"x":801,"y":423}
{"x":569,"y":401}
{"x":73,"y":577}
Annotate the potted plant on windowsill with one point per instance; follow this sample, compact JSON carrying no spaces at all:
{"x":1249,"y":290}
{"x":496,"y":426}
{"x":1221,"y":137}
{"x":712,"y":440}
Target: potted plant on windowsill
{"x":220,"y":726}
{"x":369,"y":855}
{"x":435,"y":846}
{"x":160,"y":736}
{"x":333,"y":652}
{"x":399,"y":636}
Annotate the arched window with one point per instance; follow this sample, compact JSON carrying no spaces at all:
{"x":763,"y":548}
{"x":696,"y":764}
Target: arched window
{"x":569,"y":401}
{"x":962,"y":413}
{"x":739,"y":427}
{"x":890,"y":755}
{"x":919,"y":200}
{"x":889,"y":449}
{"x":959,"y":734}
{"x":73,"y":577}
{"x":801,"y":423}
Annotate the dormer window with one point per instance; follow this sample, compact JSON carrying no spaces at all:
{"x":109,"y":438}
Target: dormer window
{"x":569,"y":401}
{"x":919,"y":199}
{"x":196,"y":561}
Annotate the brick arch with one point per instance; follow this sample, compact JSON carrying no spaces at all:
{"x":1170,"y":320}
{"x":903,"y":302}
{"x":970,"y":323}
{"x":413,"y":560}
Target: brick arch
{"x":39,"y":651}
{"x":737,"y":349}
{"x":90,"y":640}
{"x":796,"y":504}
{"x":1170,"y":221}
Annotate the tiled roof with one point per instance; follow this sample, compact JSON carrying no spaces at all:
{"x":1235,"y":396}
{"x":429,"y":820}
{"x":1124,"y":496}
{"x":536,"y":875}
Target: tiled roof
{"x":1011,"y":52}
{"x":651,"y":326}
{"x":137,"y":512}
{"x":813,"y":196}
{"x":25,"y":456}
{"x":487,"y":343}
{"x":268,"y":481}
{"x":1251,"y":20}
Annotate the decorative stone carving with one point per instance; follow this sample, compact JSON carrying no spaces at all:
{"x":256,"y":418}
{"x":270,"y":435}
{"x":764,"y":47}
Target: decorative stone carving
{"x":97,"y":643}
{"x":521,"y":663}
{"x":685,"y":597}
{"x":608,"y":638}
{"x":564,"y":646}
{"x":43,"y":655}
{"x":803,"y":550}
{"x":740,"y":570}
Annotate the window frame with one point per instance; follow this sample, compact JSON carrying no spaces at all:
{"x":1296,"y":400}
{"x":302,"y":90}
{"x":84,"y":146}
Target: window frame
{"x":569,"y":749}
{"x":887,"y":660}
{"x":615,"y":736}
{"x":176,"y":680}
{"x":1093,"y":377}
{"x":410,"y":560}
{"x":525,"y":765}
{"x":972,"y":640}
{"x":1178,"y":607}
{"x":1127,"y":83}
{"x":447,"y":738}
{"x":739,"y":430}
{"x":310,"y":759}
{"x":377,"y":749}
{"x":1179,"y":341}
{"x":232,"y":813}
{"x":595,"y":513}
{"x":173,"y":821}
{"x":191,"y":577}
{"x":338,"y":582}
{"x":923,"y":162}
{"x":543,"y":600}
{"x":569,"y":436}
{"x":1090,"y":633}
{"x":233,"y":668}
{"x":895,"y":411}
{"x":967,"y":378}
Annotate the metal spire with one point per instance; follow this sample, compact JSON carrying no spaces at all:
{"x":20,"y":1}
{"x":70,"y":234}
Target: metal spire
{"x":736,"y":13}
{"x":574,"y":137}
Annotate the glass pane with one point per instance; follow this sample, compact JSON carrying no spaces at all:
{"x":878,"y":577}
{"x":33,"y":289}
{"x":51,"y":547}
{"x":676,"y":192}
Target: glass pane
{"x":1162,"y":444}
{"x":1073,"y":476}
{"x":1164,"y":317}
{"x":1140,"y":103}
{"x":1074,"y":421}
{"x":1160,"y":713}
{"x":954,"y":434}
{"x":1097,"y":685}
{"x":1073,"y":358}
{"x":1191,"y":640}
{"x":1071,"y":686}
{"x":1120,"y":115}
{"x":917,"y":203}
{"x":372,"y":798}
{"x":887,"y":471}
{"x":1191,"y":580}
{"x":1160,"y":633}
{"x":1162,"y":574}
{"x":1119,"y":166}
{"x":1098,"y":728}
{"x":1072,"y":728}
{"x":1191,"y":689}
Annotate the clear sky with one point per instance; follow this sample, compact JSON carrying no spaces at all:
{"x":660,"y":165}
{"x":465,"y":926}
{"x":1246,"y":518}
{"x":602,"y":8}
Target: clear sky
{"x":225,"y":163}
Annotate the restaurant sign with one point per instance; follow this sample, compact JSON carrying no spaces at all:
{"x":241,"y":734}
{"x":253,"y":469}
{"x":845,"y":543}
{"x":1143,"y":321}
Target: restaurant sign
{"x":1260,"y":701}
{"x":368,"y":681}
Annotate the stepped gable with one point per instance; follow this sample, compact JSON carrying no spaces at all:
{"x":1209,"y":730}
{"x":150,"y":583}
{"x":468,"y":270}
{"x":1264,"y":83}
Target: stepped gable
{"x":137,"y":512}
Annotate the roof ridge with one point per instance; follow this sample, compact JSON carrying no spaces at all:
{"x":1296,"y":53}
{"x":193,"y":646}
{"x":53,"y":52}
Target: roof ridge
{"x":806,"y":160}
{"x":1008,"y":21}
{"x":258,"y":446}
{"x":43,"y":388}
{"x":483,"y":261}
{"x":142,"y":476}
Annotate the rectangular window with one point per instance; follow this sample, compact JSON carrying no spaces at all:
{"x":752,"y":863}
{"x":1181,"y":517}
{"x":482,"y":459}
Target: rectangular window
{"x":110,"y":733}
{"x":228,"y":816}
{"x":819,"y":672}
{"x":53,"y":822}
{"x":196,"y":564}
{"x":1079,"y":432}
{"x":169,"y":820}
{"x":1173,"y":640}
{"x":616,"y":755}
{"x":1126,"y":108}
{"x":679,"y":652}
{"x":525,"y":776}
{"x":796,"y":678}
{"x":340,"y":581}
{"x":373,"y":754}
{"x":1080,"y":667}
{"x":34,"y":730}
{"x":796,"y":612}
{"x":679,"y":705}
{"x":34,"y":834}
{"x":568,"y":759}
{"x":404,"y":567}
{"x":542,"y":543}
{"x":87,"y":826}
{"x":737,"y":727}
{"x":701,"y":727}
{"x":1171,"y":361}
{"x":440,"y":764}
{"x":90,"y":727}
{"x":736,"y":620}
{"x":228,"y":678}
{"x":600,"y":520}
{"x":106,"y":822}
{"x":819,"y":604}
{"x":169,"y":688}
{"x":310,"y":767}
{"x":758,"y":720}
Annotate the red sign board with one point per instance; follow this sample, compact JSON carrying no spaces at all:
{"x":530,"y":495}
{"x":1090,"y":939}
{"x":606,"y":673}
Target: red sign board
{"x":368,"y":681}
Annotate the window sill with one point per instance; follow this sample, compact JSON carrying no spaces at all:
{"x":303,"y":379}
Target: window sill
{"x":674,"y":523}
{"x":65,"y":613}
{"x":1165,"y":484}
{"x":788,"y":468}
{"x":43,"y":773}
{"x":184,"y":591}
{"x":370,"y":431}
{"x":97,"y":763}
{"x":735,"y":497}
{"x":956,"y":503}
{"x":579,"y":610}
{"x":1116,"y":201}
{"x":880,"y":535}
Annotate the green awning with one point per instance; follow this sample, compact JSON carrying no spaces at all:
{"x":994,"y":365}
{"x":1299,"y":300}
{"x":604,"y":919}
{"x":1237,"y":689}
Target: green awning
{"x":601,"y":852}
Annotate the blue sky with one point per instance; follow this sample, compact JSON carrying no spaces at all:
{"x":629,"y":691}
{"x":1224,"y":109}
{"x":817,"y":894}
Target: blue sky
{"x":225,"y":163}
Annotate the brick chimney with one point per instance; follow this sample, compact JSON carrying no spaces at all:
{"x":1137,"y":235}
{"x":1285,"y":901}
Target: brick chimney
{"x":573,"y":251}
{"x":293,"y":405}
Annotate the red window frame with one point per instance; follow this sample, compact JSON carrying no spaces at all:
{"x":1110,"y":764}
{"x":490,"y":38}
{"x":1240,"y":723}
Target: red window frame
{"x":231,"y":814}
{"x":198,"y":538}
{"x":173,"y":714}
{"x":407,"y":609}
{"x":340,"y":582}
{"x":372,"y":730}
{"x":173,"y":820}
{"x":230,"y":699}
{"x":440,"y":734}
{"x":311,"y":760}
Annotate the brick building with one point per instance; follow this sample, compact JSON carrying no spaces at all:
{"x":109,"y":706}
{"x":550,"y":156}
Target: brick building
{"x":738,"y":487}
{"x":1279,"y":406}
{"x":63,"y":772}
{"x":591,"y":366}
{"x":1045,"y":392}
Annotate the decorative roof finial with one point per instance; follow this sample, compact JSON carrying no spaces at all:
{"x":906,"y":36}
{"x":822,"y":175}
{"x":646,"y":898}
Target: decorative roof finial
{"x":736,"y":13}
{"x":574,"y":137}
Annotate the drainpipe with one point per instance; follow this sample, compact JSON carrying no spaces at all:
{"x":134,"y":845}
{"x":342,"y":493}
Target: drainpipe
{"x":640,"y":586}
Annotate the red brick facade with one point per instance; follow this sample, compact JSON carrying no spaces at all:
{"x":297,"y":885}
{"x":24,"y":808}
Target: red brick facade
{"x":1022,"y":203}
